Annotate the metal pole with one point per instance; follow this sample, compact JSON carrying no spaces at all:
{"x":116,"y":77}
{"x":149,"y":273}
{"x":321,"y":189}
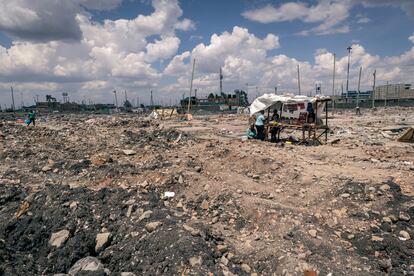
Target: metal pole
{"x":12,"y":95}
{"x":386,"y":95}
{"x":298,"y":79}
{"x":221,"y":82}
{"x":152,"y":100}
{"x":347,"y":75}
{"x":116,"y":101}
{"x":373,"y":90}
{"x":191,"y":87}
{"x":359,"y":85}
{"x":333,"y":84}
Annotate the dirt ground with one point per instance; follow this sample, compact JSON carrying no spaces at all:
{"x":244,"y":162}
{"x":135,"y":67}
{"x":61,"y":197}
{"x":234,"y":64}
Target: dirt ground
{"x":99,"y":184}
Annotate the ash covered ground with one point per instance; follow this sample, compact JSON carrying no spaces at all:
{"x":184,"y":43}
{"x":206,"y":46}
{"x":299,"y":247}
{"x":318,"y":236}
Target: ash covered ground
{"x":85,"y":194}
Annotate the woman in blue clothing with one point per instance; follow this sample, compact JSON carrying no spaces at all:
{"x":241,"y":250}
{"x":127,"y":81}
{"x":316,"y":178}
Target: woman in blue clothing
{"x":260,"y":121}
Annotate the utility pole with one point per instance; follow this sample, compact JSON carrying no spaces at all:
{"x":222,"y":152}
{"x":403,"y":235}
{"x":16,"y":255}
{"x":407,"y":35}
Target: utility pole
{"x":191,"y":86}
{"x":221,"y":81}
{"x":152,"y":101}
{"x":275,"y":90}
{"x":12,"y":96}
{"x":116,"y":101}
{"x":333,"y":82}
{"x":126,"y":96}
{"x":298,"y":79}
{"x":386,"y":95}
{"x":21,"y":98}
{"x":347,"y":75}
{"x":359,"y":85}
{"x":373,"y":90}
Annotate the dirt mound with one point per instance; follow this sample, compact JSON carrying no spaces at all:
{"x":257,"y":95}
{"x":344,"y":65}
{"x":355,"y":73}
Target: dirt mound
{"x":132,"y":246}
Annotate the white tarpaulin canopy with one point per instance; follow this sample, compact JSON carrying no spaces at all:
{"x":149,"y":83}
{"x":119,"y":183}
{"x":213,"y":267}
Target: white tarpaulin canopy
{"x":268,"y":100}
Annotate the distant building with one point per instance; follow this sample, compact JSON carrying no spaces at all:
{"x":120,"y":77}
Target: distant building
{"x":352,"y":94}
{"x":394,"y":91}
{"x":216,"y":102}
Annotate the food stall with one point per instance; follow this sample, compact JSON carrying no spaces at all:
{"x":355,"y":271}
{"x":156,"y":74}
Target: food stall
{"x":295,"y":113}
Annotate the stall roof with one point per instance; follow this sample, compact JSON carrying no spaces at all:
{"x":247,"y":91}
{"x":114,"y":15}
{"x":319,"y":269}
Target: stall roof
{"x":267,"y":100}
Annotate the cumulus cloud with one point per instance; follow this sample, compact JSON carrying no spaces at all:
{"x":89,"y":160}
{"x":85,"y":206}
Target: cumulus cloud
{"x":329,"y":13}
{"x":406,"y":5}
{"x":40,"y":20}
{"x":115,"y":52}
{"x":141,"y":54}
{"x":254,"y":64}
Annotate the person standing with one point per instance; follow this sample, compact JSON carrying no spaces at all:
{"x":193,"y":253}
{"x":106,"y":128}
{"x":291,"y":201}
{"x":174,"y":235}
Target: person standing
{"x":260,"y":120}
{"x":32,"y":118}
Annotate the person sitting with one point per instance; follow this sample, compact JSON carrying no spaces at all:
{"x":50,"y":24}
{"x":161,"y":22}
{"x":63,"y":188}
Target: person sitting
{"x":251,"y":132}
{"x":275,"y":116}
{"x":260,"y":121}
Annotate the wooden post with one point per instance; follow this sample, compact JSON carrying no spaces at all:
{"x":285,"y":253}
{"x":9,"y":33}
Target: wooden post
{"x":373,"y":90}
{"x":191,"y":88}
{"x":359,"y":85}
{"x":326,"y":122}
{"x":333,"y":83}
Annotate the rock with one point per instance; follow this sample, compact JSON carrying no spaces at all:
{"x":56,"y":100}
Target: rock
{"x":204,"y":205}
{"x":179,"y":205}
{"x":387,"y":219}
{"x":404,"y":216}
{"x":345,"y":195}
{"x":195,"y":261}
{"x":150,"y":227}
{"x":101,"y":240}
{"x":59,"y":238}
{"x":256,"y":177}
{"x":239,"y":191}
{"x":313,"y":233}
{"x":129,"y":211}
{"x":404,"y":235}
{"x":194,"y":232}
{"x":145,"y":215}
{"x":144,"y":184}
{"x":87,"y":264}
{"x":385,"y":187}
{"x":73,"y":205}
{"x":129,"y":152}
{"x":385,"y":265}
{"x":46,"y":168}
{"x":224,"y":260}
{"x":246,"y":268}
{"x":128,"y":274}
{"x":393,"y":218}
{"x":376,"y":238}
{"x":222,"y":248}
{"x":180,"y":179}
{"x":197,"y":169}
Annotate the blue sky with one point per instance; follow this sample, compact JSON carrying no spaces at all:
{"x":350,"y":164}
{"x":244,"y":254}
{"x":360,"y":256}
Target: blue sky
{"x":385,"y":35}
{"x":69,"y":47}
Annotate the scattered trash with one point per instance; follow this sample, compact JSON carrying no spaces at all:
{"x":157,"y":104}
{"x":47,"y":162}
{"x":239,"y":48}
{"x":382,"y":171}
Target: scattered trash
{"x":169,"y":194}
{"x":22,"y":209}
{"x":407,"y":136}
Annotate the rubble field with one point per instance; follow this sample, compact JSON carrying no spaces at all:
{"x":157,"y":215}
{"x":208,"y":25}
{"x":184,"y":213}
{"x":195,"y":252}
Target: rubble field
{"x":127,"y":195}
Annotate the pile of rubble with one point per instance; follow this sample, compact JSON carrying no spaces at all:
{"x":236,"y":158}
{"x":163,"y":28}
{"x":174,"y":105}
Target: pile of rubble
{"x":126,"y":195}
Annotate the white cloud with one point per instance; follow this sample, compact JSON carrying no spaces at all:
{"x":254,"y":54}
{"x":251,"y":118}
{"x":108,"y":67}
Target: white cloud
{"x":108,"y":52}
{"x":332,"y":15}
{"x":406,"y":5}
{"x":329,"y":13}
{"x":100,"y":5}
{"x":130,"y":54}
